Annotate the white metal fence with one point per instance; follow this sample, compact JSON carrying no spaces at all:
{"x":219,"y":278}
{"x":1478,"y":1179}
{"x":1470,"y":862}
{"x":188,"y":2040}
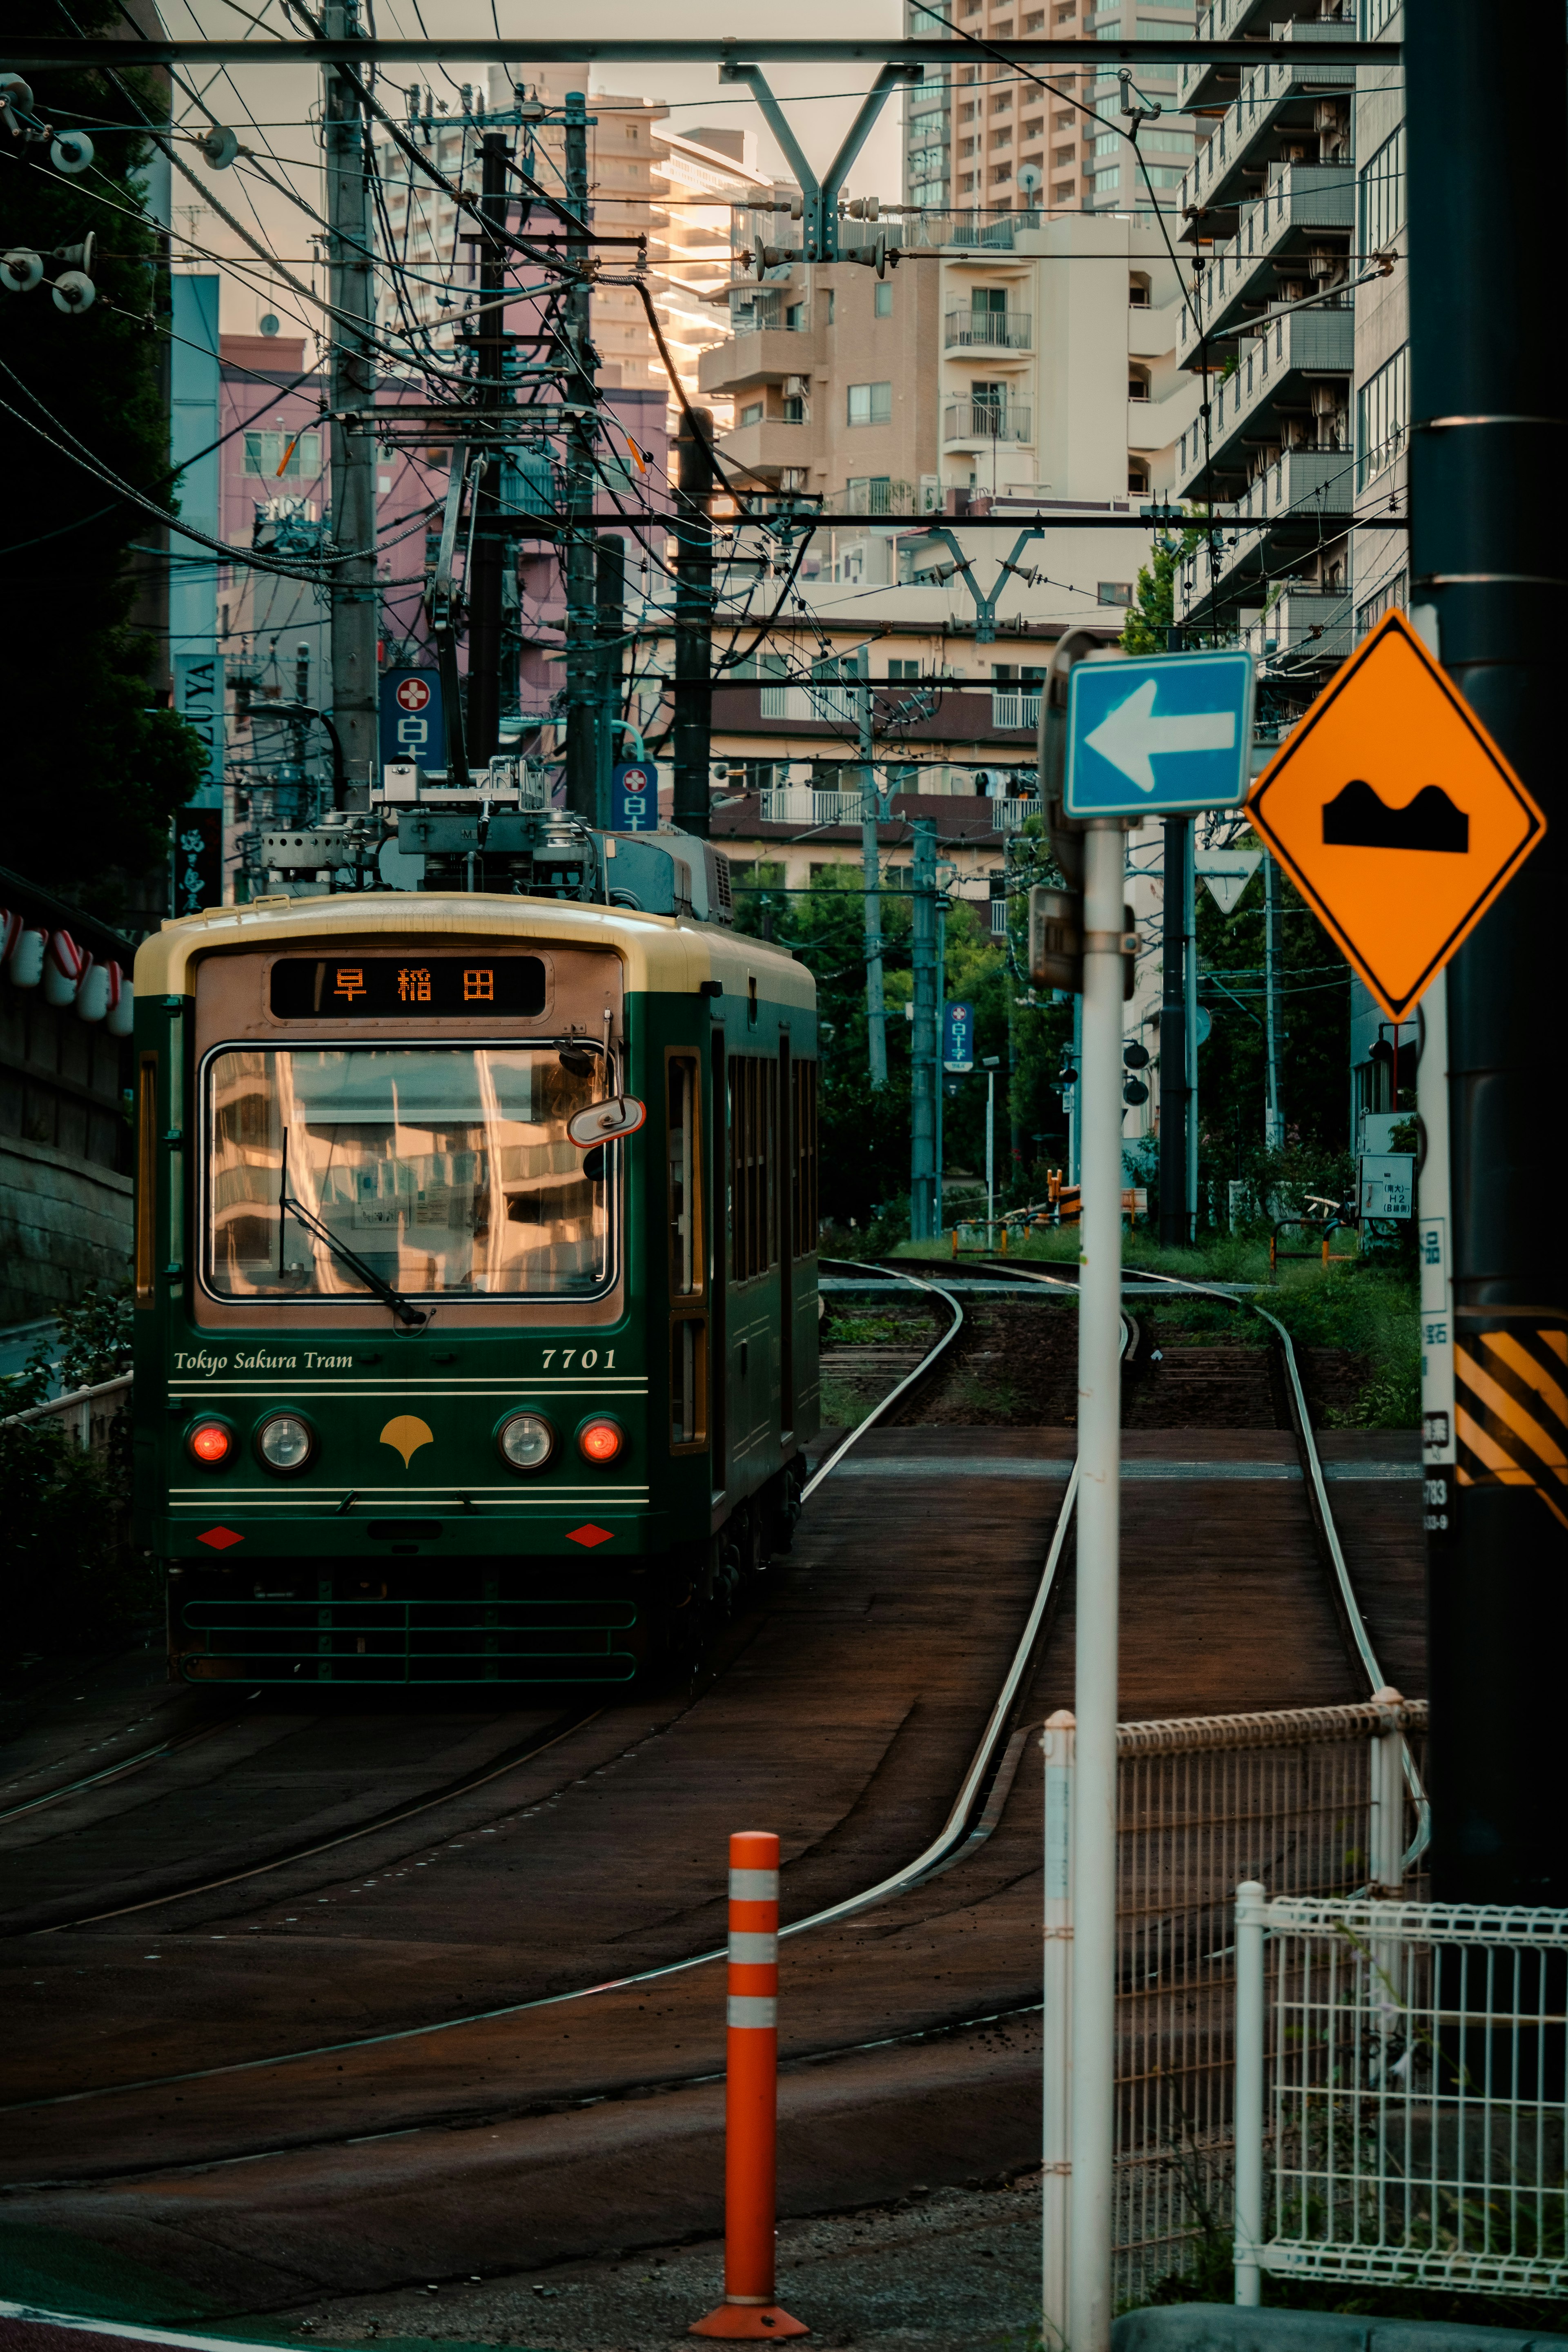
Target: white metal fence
{"x":1402,"y":2094}
{"x":89,"y":1414}
{"x":1310,"y":1801}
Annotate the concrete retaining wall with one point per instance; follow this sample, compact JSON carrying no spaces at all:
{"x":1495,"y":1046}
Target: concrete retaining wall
{"x":64,"y":1222}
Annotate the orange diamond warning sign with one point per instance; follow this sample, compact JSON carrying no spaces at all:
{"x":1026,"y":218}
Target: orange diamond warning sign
{"x":1395,"y":813}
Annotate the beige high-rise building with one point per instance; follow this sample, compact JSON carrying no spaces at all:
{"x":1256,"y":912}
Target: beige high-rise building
{"x":678,"y":189}
{"x":980,"y":136}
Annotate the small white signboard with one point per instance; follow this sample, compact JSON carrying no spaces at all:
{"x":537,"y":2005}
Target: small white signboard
{"x":1388,"y":1184}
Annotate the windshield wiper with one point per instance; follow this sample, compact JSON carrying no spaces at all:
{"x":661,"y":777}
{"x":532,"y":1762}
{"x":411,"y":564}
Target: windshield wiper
{"x":405,"y":1312}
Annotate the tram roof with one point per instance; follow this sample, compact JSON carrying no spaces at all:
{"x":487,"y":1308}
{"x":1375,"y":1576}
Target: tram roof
{"x":662,"y":954}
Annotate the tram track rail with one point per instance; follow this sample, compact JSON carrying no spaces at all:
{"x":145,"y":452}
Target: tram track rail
{"x":973,"y":1814}
{"x":450,"y":1792}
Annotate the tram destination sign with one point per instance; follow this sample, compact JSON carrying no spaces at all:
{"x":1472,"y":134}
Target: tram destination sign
{"x":381,"y":988}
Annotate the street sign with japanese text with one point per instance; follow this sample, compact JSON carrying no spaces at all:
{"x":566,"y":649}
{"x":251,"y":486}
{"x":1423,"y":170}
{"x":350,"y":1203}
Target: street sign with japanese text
{"x":1395,"y":813}
{"x":633,"y":797}
{"x":412,"y":728}
{"x":958,"y":1039}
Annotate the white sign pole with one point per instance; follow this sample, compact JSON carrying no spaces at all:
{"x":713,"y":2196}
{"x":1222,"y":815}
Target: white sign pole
{"x":1436,"y":1245}
{"x":1098,"y":1534}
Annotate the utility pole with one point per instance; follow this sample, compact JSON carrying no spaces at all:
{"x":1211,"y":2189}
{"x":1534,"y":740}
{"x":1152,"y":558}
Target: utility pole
{"x":876,"y":1011}
{"x":925,"y":1046}
{"x":490,"y":551}
{"x":583,"y":729}
{"x":693,"y":621}
{"x":610,"y":598}
{"x":1273,"y":1116}
{"x":351,"y":386}
{"x":1174,"y":1038}
{"x":1486,"y":403}
{"x":1190,"y":959}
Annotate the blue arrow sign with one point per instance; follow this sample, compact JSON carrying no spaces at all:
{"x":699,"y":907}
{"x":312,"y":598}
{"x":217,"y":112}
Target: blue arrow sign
{"x":1157,"y":737}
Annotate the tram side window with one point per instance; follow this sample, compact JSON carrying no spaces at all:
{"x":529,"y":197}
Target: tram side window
{"x":753,"y":1132}
{"x":685,"y":1185}
{"x":803,"y":1171}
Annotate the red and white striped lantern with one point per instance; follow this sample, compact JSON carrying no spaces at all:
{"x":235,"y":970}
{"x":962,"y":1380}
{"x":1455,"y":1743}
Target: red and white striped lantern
{"x":121,"y":1018}
{"x":92,"y":992}
{"x":24,"y":957}
{"x":64,"y":964}
{"x":751,"y":2098}
{"x":10,"y":932}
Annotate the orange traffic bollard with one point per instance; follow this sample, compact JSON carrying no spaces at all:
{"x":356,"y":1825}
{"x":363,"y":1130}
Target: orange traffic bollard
{"x":751,"y":2097}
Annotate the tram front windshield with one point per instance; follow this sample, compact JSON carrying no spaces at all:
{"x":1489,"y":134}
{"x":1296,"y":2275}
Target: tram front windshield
{"x":446,"y":1169}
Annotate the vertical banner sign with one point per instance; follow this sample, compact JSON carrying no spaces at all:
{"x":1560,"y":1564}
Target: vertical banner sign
{"x":198,"y":698}
{"x":198,"y":860}
{"x":633,"y":797}
{"x":1433,"y":1231}
{"x":411,"y":719}
{"x":958,"y":1039}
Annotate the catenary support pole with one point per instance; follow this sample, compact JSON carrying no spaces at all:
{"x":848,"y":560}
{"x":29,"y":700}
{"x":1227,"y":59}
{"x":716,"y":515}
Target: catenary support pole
{"x":1099,"y":1547}
{"x":1190,"y":1008}
{"x":1251,"y":1914}
{"x":583,"y":707}
{"x":352,"y":380}
{"x":751,"y":2098}
{"x":610,"y":598}
{"x":924,"y":1045}
{"x":1486,"y":375}
{"x":491,"y":552}
{"x":1273,"y":1116}
{"x":1056,"y":2027}
{"x":1173,"y":1040}
{"x":693,"y":621}
{"x":939,"y":1062}
{"x":876,"y":1007}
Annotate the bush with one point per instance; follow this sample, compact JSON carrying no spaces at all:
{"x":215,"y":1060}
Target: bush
{"x":73,"y":1585}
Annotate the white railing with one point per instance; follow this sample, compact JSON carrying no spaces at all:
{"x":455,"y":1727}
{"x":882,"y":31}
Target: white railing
{"x":1002,"y":331}
{"x":86,"y":1413}
{"x":833,"y":706}
{"x":1014,"y":709}
{"x":1401,"y":2104}
{"x":1012,"y":815}
{"x":798,"y":805}
{"x":1316,"y":1800}
{"x":980,"y":420}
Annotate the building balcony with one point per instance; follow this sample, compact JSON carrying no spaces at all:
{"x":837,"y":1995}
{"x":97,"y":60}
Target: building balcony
{"x":1302,"y":499}
{"x":768,"y":448}
{"x":1233,"y":20}
{"x":1014,"y":710}
{"x":766,"y":356}
{"x":1275,"y":110}
{"x":1292,"y":383}
{"x":988,"y":330}
{"x":976,"y":425}
{"x":1306,"y":627}
{"x":1303,"y":204}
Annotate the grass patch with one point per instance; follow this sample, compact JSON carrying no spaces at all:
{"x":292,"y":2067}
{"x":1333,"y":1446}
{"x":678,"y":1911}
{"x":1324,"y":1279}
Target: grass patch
{"x":870,"y":1330}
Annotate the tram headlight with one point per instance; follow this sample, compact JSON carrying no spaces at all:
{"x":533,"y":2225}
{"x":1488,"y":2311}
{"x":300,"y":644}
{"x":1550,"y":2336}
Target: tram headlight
{"x":286,"y":1442}
{"x":601,"y":1440}
{"x":526,"y":1440}
{"x":210,"y":1443}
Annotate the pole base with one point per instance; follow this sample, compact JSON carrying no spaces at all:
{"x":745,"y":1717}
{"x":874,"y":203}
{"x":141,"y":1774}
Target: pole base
{"x":752,"y":2321}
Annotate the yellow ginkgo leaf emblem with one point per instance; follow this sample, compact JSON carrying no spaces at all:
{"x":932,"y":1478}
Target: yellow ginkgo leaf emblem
{"x":407,"y":1434}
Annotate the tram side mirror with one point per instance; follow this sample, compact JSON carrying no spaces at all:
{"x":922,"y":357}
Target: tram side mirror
{"x":593,"y":1164}
{"x":606,"y":1123}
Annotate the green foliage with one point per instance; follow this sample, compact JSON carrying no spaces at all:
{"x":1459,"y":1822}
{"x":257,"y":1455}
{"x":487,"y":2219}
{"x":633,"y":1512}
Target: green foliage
{"x":99,"y":378}
{"x":865,"y":1136}
{"x":71,"y":1583}
{"x":1314,"y":982}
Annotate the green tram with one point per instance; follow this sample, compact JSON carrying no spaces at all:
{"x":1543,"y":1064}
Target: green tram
{"x":432,"y":1386}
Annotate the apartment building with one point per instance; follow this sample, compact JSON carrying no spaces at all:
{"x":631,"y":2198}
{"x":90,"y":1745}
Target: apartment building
{"x":1271,"y":220}
{"x":979,"y":136}
{"x":644,"y":178}
{"x":1037,"y":359}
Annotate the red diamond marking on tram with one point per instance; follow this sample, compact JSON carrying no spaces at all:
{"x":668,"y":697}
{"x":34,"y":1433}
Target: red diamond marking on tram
{"x":220,"y":1538}
{"x":590,"y":1536}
